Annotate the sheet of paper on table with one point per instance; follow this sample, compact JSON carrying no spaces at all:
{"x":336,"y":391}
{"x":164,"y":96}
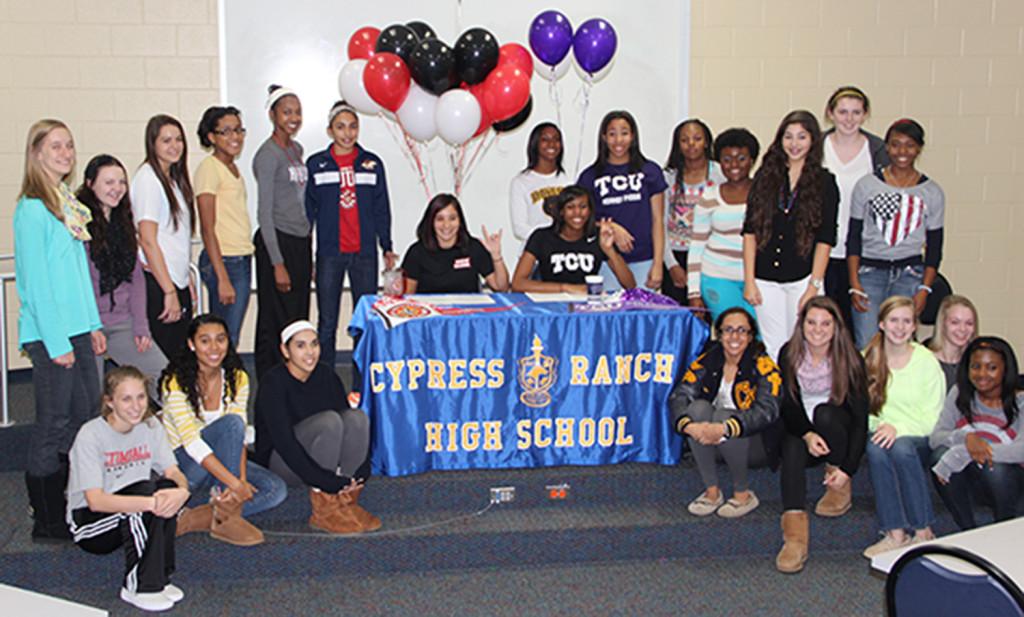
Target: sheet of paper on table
{"x":556,"y":297}
{"x":454,"y":299}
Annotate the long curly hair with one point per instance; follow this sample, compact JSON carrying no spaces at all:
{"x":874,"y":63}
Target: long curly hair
{"x":1008,"y":388}
{"x":184,"y":369}
{"x":875,"y":360}
{"x":113,"y":248}
{"x":847,"y":366}
{"x":772,"y":178}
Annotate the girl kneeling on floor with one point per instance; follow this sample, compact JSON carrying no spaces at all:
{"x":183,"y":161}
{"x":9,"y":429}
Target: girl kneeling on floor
{"x":306,"y":433}
{"x":825,"y":412}
{"x":205,"y":393}
{"x":126,"y":490}
{"x":728,"y":401}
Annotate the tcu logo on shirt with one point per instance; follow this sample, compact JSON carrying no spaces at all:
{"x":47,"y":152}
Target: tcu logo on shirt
{"x":632,"y":182}
{"x":572,"y":262}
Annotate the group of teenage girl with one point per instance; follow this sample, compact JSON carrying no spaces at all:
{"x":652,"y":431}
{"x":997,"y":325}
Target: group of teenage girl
{"x":103,"y":273}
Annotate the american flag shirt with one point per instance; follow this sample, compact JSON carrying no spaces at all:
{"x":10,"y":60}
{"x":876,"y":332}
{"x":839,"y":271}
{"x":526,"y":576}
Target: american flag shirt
{"x":896,"y":220}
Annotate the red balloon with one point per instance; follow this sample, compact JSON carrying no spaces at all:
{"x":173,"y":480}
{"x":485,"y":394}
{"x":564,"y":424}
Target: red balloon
{"x":477,"y":90}
{"x":516,"y":55}
{"x":506,"y":90}
{"x":387,"y":80}
{"x":362,"y":43}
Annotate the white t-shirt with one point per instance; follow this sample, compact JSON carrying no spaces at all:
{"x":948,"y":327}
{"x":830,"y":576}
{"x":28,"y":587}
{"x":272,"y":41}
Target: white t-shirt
{"x":149,"y":203}
{"x":724,"y":398}
{"x":526,"y":195}
{"x":847,"y":175}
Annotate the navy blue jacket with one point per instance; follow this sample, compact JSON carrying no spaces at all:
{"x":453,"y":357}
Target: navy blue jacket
{"x":322,"y":192}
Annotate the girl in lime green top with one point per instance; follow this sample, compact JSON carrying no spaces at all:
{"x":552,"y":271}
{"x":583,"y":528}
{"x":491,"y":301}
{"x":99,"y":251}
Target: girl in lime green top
{"x":906,"y":389}
{"x":59,"y":325}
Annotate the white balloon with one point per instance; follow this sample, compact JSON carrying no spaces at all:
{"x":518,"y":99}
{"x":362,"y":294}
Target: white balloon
{"x":458,"y":116}
{"x":553,"y":73}
{"x":416,"y":115}
{"x":352,"y":89}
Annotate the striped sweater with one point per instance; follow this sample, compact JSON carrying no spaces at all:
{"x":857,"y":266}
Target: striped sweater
{"x":716,"y":246}
{"x":183,"y":425}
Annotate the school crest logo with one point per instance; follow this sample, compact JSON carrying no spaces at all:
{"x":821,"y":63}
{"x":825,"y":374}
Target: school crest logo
{"x":537,"y":374}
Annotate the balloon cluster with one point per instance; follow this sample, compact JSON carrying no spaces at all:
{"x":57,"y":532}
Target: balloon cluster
{"x":456,"y":92}
{"x":593,"y":45}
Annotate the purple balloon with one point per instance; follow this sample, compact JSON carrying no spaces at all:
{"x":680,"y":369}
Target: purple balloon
{"x":594,"y":44}
{"x":550,"y":37}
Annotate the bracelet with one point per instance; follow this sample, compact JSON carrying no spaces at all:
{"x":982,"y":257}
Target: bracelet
{"x":857,"y":292}
{"x":923,"y":287}
{"x":171,"y":293}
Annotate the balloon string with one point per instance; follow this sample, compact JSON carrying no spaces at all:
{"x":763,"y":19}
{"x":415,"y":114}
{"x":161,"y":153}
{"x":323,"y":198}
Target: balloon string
{"x":392,"y":130}
{"x":414,"y":149}
{"x":555,"y":98}
{"x":483,"y":153}
{"x":588,"y":83}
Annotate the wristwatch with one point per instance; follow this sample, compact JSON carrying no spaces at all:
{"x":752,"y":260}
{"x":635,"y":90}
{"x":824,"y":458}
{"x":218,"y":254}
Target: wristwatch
{"x":817,"y":283}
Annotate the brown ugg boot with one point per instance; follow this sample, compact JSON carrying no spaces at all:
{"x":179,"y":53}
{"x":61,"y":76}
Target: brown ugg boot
{"x":365,"y":518}
{"x":835,"y":501}
{"x":793,"y":555}
{"x":329,"y":516}
{"x":194,"y":519}
{"x":229,"y":526}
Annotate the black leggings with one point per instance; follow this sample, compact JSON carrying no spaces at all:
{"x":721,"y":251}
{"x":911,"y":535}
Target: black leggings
{"x":833,"y":424}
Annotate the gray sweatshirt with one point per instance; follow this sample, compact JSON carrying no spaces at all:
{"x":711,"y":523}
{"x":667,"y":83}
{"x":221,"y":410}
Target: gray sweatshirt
{"x":281,"y":185}
{"x":952,"y":429}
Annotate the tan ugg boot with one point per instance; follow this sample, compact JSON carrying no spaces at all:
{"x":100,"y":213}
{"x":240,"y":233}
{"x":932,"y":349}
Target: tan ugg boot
{"x":835,"y":501}
{"x":795,"y":530}
{"x":329,"y":516}
{"x":365,"y":518}
{"x":194,"y":519}
{"x":229,"y":526}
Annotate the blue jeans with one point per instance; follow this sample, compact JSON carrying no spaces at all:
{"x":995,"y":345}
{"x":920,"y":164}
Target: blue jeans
{"x":239,"y":268}
{"x":900,"y":481}
{"x":330,"y":275}
{"x":226,"y":437}
{"x":999,"y":486}
{"x":879,"y":284}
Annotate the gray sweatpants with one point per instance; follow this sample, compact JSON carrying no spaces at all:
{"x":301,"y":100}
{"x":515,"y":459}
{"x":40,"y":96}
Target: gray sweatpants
{"x":122,"y":350}
{"x":739,"y":454}
{"x":335,"y":441}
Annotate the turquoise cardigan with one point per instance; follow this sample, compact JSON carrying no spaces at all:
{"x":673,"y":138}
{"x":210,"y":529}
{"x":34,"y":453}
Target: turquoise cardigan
{"x":57,"y":300}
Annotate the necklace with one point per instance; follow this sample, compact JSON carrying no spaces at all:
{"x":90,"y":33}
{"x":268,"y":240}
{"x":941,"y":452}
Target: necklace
{"x":893,"y":181}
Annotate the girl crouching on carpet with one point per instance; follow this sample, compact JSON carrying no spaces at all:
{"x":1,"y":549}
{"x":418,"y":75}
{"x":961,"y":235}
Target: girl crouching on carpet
{"x":728,"y":401}
{"x":126,"y":490}
{"x":306,"y":433}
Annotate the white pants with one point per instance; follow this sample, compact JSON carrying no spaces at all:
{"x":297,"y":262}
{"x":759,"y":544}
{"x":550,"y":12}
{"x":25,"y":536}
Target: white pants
{"x":777,"y":313}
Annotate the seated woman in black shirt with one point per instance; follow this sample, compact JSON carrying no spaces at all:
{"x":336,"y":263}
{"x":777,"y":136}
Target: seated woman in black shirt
{"x":446,"y":259}
{"x":572,"y":248}
{"x":307,"y":433}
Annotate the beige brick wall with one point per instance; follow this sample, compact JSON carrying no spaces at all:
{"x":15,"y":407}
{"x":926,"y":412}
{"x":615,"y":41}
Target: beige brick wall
{"x":956,"y":66}
{"x":105,"y":66}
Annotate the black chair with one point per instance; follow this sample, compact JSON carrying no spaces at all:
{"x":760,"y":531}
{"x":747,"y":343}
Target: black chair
{"x":920,"y":587}
{"x":940,"y":289}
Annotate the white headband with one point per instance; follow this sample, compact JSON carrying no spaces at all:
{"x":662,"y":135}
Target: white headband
{"x":340,"y":107}
{"x":294,"y":328}
{"x":278,"y":94}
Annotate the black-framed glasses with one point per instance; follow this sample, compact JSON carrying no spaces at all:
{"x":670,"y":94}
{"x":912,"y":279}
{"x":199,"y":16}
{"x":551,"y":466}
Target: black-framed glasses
{"x":225,"y":132}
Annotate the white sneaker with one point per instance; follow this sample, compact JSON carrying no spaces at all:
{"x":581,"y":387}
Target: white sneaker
{"x":173,"y":593}
{"x":152,"y":601}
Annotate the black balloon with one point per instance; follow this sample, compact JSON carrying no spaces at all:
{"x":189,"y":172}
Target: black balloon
{"x":476,"y":55}
{"x":432,"y":65}
{"x":515,"y":121}
{"x":397,"y":39}
{"x":422,"y":30}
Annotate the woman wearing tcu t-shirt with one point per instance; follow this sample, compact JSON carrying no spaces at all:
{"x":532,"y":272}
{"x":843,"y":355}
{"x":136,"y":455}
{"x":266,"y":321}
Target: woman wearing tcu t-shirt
{"x":446,"y":259}
{"x":629,"y":189}
{"x":570,"y":249}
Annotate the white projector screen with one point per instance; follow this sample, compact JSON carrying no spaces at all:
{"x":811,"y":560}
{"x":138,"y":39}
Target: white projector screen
{"x":302,"y":45}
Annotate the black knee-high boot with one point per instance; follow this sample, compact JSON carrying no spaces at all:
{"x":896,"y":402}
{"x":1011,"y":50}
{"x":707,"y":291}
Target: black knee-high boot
{"x":48,"y":502}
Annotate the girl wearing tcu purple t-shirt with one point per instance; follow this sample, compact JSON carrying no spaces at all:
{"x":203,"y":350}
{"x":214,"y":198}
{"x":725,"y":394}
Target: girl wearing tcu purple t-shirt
{"x":628,"y":189}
